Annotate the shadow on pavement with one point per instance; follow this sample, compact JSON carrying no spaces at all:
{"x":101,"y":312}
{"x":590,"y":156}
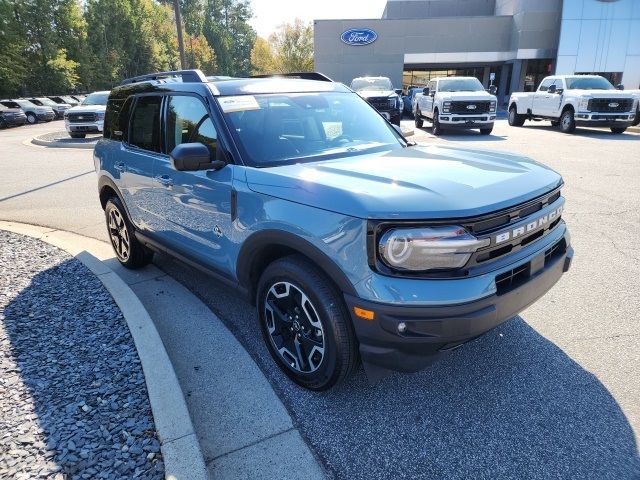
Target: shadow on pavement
{"x":508,"y":405}
{"x":581,"y":131}
{"x":462,"y":135}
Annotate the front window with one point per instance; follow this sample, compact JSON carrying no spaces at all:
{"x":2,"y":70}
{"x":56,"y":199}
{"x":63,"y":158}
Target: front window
{"x":289,"y":128}
{"x":26,"y":104}
{"x":588,"y":83}
{"x":360,"y":84}
{"x":47,"y":102}
{"x":188,"y":121}
{"x":460,"y":85}
{"x":96,"y":99}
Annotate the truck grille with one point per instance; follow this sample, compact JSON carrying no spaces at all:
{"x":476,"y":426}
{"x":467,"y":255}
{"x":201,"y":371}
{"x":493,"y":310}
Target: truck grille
{"x":379,"y":103}
{"x":610,"y":104}
{"x":461,"y":107}
{"x":81,"y":117}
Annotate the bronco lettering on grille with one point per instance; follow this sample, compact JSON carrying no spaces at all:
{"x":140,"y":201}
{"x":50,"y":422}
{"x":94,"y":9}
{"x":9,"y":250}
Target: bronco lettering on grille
{"x":529,"y":227}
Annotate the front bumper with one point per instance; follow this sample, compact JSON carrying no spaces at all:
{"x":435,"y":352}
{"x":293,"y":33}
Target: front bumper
{"x":432,"y":329}
{"x":467,"y":121}
{"x":590,"y":119}
{"x":92,"y":127}
{"x":15,"y":121}
{"x":46,"y":117}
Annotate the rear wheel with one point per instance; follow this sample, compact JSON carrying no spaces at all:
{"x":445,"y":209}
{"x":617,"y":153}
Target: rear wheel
{"x":305,"y":324}
{"x":618,"y":130}
{"x":567,"y":121}
{"x":418,"y":119}
{"x":515,"y":120}
{"x":77,"y":135}
{"x":437,"y":127}
{"x":129,"y":251}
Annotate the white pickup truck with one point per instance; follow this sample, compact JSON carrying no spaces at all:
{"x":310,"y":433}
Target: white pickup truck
{"x":575,"y":100}
{"x":456,"y":102}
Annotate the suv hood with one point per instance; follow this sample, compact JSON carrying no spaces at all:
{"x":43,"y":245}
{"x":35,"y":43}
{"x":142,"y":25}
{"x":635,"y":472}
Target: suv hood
{"x":376,"y":93}
{"x":87,"y":109}
{"x":424,"y":182}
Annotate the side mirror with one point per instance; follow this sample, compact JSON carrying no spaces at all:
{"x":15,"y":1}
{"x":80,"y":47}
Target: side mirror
{"x":552,"y":89}
{"x":425,"y":91}
{"x":190,"y":157}
{"x":493,"y":89}
{"x":559,"y":91}
{"x":620,"y":87}
{"x":398,"y":91}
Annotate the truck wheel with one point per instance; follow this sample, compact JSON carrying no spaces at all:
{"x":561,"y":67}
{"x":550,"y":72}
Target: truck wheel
{"x":636,"y":120}
{"x":77,"y":135}
{"x":130,"y":252}
{"x":618,"y":130}
{"x":486,"y":131}
{"x":515,"y":120}
{"x":418,"y":119}
{"x":305,"y":324}
{"x":436,"y":126}
{"x":3,"y":123}
{"x":31,"y":118}
{"x":567,"y":122}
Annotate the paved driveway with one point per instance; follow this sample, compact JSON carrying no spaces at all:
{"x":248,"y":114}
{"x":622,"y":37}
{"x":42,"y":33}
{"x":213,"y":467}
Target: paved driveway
{"x":553,"y":394}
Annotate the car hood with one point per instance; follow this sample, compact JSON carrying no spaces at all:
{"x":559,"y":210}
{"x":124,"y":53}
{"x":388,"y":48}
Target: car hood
{"x":422,"y":182}
{"x":479,"y":95}
{"x":376,"y":93}
{"x":601,"y":93}
{"x":87,"y":109}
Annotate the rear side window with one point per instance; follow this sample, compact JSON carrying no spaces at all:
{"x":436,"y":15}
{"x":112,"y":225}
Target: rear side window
{"x":188,"y":121}
{"x":116,"y":118}
{"x":145,"y":124}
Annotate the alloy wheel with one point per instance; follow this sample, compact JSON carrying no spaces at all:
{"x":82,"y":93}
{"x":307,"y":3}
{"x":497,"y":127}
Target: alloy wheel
{"x":119,"y":235}
{"x":294,"y":327}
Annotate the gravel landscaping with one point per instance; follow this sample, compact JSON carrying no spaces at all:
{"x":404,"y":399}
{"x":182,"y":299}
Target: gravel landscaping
{"x":73,"y":400}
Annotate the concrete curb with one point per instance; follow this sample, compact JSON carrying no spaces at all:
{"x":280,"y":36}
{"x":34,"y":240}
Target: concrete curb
{"x":57,"y":144}
{"x":181,"y":451}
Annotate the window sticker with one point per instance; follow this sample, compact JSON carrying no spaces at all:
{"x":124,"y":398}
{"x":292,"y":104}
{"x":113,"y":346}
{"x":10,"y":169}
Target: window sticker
{"x":238,"y":103}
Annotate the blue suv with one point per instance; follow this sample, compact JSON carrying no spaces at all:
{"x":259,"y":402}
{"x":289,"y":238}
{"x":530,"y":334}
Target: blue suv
{"x":353,"y":243}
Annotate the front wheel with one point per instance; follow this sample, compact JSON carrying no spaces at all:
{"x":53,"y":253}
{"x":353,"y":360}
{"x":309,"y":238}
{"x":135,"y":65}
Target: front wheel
{"x":418,"y":119}
{"x":436,"y":126}
{"x":486,"y":131}
{"x":129,"y":251}
{"x":618,"y":130}
{"x":305,"y":324}
{"x":77,"y":135}
{"x":31,"y":118}
{"x":636,"y":121}
{"x":567,"y":121}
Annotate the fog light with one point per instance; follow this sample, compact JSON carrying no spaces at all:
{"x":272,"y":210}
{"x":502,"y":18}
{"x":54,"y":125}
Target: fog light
{"x":402,"y":327}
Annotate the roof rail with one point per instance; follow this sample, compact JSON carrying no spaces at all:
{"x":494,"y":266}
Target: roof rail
{"x":301,"y":75}
{"x":193,"y":76}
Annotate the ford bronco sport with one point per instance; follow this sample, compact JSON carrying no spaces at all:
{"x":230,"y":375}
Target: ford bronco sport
{"x":352,"y":243}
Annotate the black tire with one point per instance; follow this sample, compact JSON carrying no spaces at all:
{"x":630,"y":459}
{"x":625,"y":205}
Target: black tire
{"x":121,"y":231}
{"x":567,"y":121}
{"x":636,"y":121}
{"x":436,"y":127}
{"x":31,"y":118}
{"x":77,"y":135}
{"x":515,"y":120}
{"x":618,"y":130}
{"x":286,"y":285}
{"x":418,"y":119}
{"x":555,"y":123}
{"x":3,"y":123}
{"x":486,"y":131}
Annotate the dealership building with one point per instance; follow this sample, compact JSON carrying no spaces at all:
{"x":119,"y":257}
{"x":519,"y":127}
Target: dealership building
{"x":512,"y":44}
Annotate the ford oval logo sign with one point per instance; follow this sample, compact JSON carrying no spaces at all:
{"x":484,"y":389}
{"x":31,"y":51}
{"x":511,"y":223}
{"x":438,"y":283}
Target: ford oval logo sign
{"x":359,"y":36}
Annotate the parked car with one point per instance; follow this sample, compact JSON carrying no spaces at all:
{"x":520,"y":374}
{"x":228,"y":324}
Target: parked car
{"x":575,"y":100}
{"x":380,"y":94}
{"x":456,"y":102}
{"x":636,"y":95}
{"x":34,"y":113}
{"x":88,"y":117}
{"x":11,"y":117}
{"x":409,"y":99}
{"x":65,"y":100}
{"x":351,"y":241}
{"x":58,"y":108}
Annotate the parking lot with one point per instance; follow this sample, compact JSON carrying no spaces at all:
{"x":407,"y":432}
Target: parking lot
{"x":551,"y":394}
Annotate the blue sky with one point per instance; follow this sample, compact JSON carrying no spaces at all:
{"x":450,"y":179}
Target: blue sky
{"x":268,"y":14}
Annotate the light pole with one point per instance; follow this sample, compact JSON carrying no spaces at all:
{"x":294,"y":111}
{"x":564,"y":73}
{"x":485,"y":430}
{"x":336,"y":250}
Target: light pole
{"x":176,"y":8}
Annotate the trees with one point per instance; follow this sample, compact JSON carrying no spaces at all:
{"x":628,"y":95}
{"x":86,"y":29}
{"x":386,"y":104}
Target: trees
{"x":290,"y":49}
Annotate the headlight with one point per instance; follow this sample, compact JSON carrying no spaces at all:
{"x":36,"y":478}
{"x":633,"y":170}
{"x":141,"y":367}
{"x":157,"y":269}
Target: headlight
{"x":446,"y":106}
{"x":584,"y":104}
{"x":492,"y":106}
{"x":100,"y":115}
{"x":428,"y":248}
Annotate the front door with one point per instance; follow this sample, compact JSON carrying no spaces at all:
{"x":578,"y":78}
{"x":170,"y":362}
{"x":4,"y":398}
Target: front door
{"x":542,"y":99}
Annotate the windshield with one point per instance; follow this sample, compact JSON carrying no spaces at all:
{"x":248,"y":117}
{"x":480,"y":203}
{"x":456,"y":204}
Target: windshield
{"x":306,"y":127}
{"x":359,"y":84}
{"x":46,"y":101}
{"x":69,"y":99}
{"x":460,"y":85}
{"x":25,"y":103}
{"x":96,"y":99}
{"x":588,"y":83}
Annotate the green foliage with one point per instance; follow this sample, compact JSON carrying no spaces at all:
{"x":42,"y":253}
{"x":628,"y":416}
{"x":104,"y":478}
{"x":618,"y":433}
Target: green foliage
{"x":290,"y":49}
{"x":54,"y":46}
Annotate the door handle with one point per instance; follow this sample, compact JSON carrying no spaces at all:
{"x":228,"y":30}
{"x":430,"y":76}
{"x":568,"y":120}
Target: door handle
{"x":120,"y":166}
{"x":165,"y":180}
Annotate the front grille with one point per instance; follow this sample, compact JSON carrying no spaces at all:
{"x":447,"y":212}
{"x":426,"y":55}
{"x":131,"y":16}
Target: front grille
{"x":610,"y":104}
{"x":379,"y":103}
{"x":81,"y":117}
{"x":461,"y":107}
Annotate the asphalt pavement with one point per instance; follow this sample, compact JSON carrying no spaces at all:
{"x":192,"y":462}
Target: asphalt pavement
{"x":552,"y":394}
